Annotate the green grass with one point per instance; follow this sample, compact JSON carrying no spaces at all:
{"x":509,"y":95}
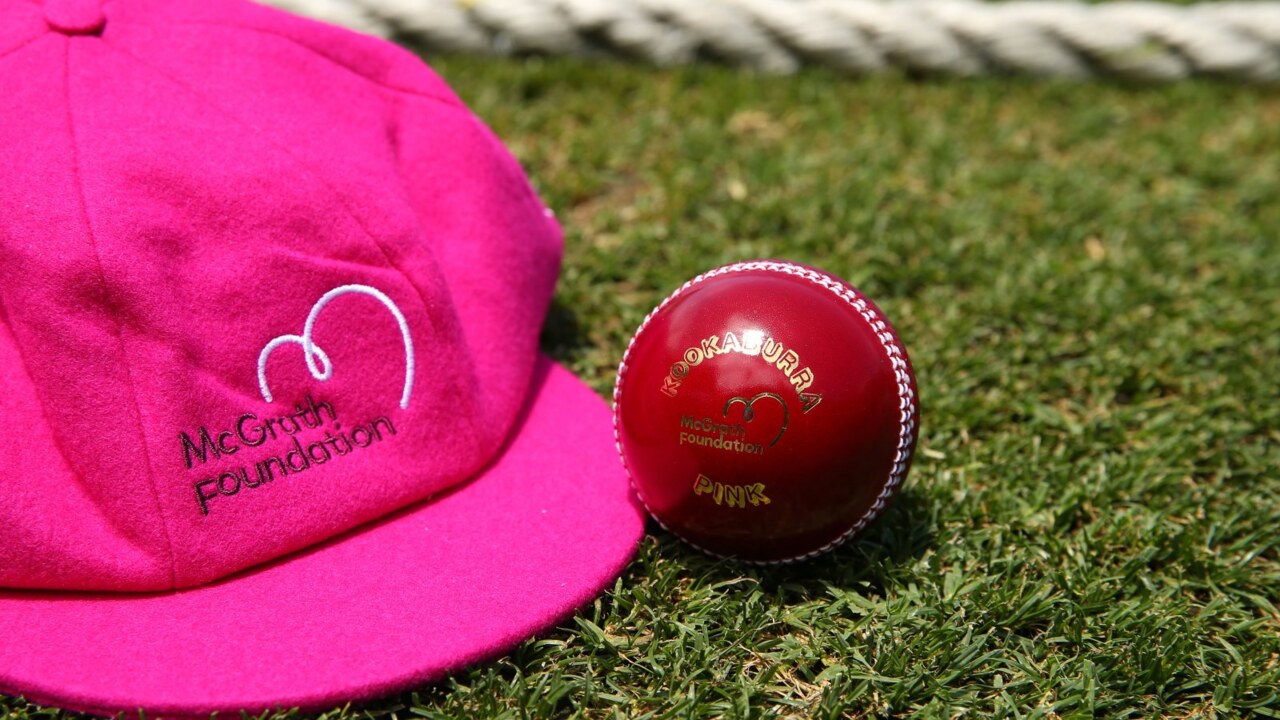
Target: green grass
{"x":1087,"y":277}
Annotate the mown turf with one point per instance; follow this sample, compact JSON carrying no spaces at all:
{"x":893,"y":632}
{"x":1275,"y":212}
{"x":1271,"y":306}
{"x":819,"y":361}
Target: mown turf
{"x":1088,"y":280}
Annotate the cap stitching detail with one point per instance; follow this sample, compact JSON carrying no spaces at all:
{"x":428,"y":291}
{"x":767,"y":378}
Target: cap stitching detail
{"x":908,"y":416}
{"x":506,"y":175}
{"x":119,"y":330}
{"x":450,"y":102}
{"x":20,"y":351}
{"x":306,"y":167}
{"x":22,"y":45}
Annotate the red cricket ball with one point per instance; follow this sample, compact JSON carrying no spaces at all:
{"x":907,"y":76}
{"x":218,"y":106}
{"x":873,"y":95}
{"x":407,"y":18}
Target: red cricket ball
{"x":766,"y":411}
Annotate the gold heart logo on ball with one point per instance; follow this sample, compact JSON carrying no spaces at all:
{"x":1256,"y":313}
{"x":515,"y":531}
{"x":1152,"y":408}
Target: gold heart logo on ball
{"x":749,"y":410}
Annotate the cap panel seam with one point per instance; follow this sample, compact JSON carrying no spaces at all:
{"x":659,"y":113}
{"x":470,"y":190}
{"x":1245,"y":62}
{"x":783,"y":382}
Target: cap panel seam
{"x":442,"y":99}
{"x":473,"y":379}
{"x":119,"y":330}
{"x":22,"y":45}
{"x":342,"y":200}
{"x":21,"y":352}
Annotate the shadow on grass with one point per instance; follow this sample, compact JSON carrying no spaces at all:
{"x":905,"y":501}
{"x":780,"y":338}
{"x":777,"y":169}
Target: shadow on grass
{"x":562,"y":334}
{"x":671,"y":580}
{"x":890,"y":545}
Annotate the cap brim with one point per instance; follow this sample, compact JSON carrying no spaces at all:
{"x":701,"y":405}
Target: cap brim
{"x":429,"y":590}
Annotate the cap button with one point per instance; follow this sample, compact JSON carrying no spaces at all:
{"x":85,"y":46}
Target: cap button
{"x":74,"y":17}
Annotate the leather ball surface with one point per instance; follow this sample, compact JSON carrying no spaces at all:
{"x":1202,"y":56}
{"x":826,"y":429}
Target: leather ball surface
{"x":766,"y":411}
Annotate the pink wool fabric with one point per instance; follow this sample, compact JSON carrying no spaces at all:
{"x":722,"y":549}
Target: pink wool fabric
{"x":278,"y":430}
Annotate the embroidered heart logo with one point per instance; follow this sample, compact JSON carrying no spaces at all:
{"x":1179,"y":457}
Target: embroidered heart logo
{"x":312,"y":352}
{"x":749,"y":410}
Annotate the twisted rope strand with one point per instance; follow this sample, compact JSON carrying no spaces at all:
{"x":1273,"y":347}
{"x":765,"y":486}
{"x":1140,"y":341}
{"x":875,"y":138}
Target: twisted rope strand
{"x":1132,"y":39}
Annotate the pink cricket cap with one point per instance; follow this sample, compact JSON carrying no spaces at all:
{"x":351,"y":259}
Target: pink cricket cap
{"x":277,"y":432}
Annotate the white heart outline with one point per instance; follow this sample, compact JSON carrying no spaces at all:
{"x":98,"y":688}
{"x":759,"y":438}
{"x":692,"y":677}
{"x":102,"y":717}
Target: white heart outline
{"x":311,"y":351}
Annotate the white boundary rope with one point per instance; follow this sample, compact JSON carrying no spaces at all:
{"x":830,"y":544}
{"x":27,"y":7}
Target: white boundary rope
{"x":1136,"y":40}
